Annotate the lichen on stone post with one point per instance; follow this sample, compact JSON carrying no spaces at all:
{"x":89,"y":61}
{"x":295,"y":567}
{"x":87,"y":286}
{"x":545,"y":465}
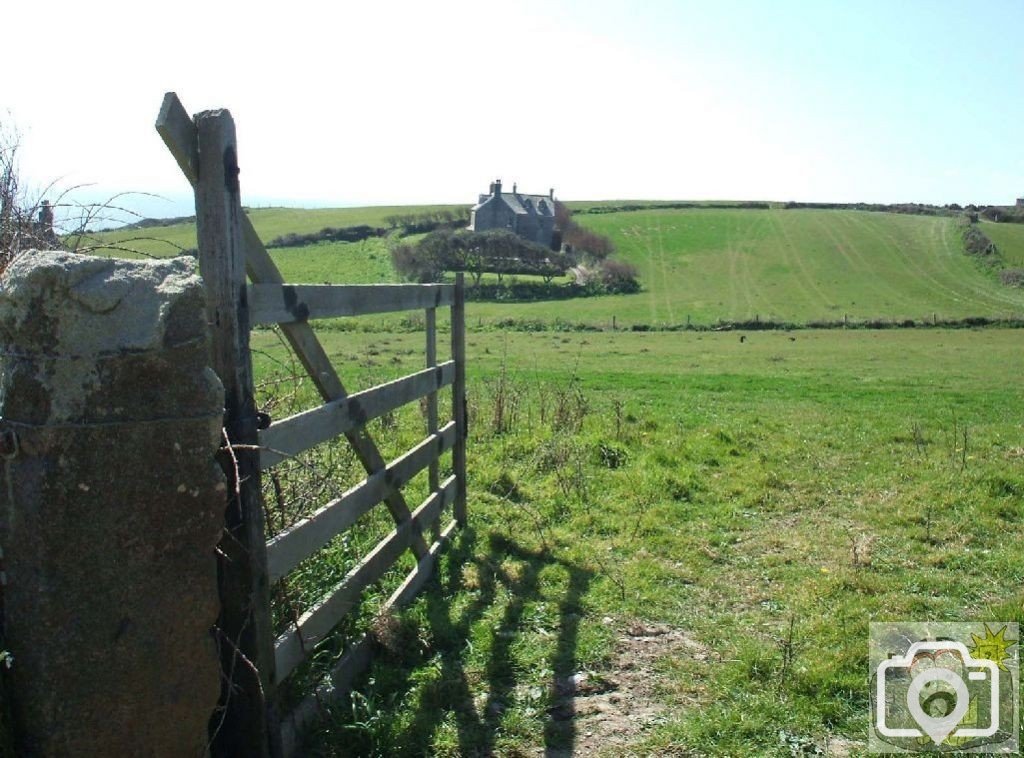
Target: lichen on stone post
{"x":112,"y":505}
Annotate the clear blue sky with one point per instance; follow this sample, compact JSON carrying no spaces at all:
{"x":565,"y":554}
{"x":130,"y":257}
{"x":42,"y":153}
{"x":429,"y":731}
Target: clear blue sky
{"x":415,"y":102}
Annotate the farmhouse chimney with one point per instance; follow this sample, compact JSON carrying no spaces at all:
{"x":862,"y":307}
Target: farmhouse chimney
{"x":497,"y":188}
{"x":46,"y":216}
{"x":551,"y":193}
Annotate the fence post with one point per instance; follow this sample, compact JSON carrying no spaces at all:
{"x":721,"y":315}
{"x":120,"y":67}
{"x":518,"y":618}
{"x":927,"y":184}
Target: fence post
{"x":459,"y":395}
{"x":246,"y":723}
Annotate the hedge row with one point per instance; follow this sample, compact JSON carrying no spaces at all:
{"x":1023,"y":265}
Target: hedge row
{"x":560,"y":325}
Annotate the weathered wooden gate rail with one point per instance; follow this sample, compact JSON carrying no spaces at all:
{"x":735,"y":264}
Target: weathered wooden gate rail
{"x":229,"y":247}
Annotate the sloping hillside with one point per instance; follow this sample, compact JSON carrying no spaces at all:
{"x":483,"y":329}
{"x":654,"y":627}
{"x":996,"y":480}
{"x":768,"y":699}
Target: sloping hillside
{"x":269,"y":222}
{"x":1009,"y":238}
{"x":706,"y":265}
{"x":801,"y":265}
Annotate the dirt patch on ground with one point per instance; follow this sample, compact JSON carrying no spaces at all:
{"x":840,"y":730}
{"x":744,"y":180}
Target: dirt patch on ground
{"x":603,"y":714}
{"x":840,"y":747}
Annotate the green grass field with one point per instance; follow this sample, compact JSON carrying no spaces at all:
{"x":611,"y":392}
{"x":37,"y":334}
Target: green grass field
{"x":794,"y":266}
{"x":757,"y":502}
{"x":269,"y":223}
{"x":707,"y":265}
{"x":694,"y":530}
{"x":1009,"y":238}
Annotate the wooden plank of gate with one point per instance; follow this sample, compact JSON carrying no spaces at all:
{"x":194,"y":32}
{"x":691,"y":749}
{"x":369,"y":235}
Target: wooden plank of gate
{"x":421,"y":573}
{"x":295,"y":645}
{"x":287,"y":303}
{"x":358,"y":657}
{"x":178,"y":132}
{"x":295,"y":544}
{"x":290,"y":436}
{"x":355,"y":660}
{"x":180,"y":136}
{"x":304,"y":342}
{"x":175,"y":128}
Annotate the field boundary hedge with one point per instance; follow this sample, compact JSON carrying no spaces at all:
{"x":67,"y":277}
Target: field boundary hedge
{"x":969,"y":322}
{"x":515,"y":324}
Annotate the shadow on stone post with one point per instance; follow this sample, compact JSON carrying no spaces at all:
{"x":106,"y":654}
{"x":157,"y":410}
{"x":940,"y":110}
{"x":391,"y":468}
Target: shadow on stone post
{"x":112,"y":505}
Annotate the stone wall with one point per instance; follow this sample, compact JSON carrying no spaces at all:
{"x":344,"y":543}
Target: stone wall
{"x":113,"y":505}
{"x":527,"y":227}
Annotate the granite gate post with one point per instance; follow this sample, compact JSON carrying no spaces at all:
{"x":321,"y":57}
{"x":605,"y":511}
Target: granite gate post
{"x":113,"y":503}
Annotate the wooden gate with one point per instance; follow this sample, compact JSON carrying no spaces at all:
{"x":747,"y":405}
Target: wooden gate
{"x":254,"y":660}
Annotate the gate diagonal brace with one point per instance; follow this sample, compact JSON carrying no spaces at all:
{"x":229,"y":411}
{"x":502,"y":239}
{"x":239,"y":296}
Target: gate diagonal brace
{"x":178,"y":132}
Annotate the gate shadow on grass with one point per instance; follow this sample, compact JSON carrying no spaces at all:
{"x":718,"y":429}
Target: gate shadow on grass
{"x":440,"y":679}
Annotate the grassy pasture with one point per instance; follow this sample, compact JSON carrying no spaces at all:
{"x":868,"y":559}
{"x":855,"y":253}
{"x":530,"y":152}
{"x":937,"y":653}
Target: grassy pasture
{"x":1009,"y":238}
{"x":714,"y":487}
{"x":712,"y":264}
{"x":365,"y":262}
{"x":269,"y":223}
{"x":764,"y":499}
{"x":788,"y":265}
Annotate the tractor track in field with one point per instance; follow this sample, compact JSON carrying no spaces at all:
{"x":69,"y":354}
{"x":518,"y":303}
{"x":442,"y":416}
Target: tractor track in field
{"x":906,"y":271}
{"x":664,"y":272}
{"x":656,"y":264}
{"x":906,"y":259}
{"x":965,"y":293}
{"x":850,"y":252}
{"x":742,"y":283}
{"x":643,"y":245}
{"x":737,"y":290}
{"x":808,"y":285}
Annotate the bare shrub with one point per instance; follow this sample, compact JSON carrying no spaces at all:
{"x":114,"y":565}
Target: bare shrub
{"x":1012,"y":277}
{"x":597,"y":247}
{"x":619,"y":277}
{"x":32,"y":220}
{"x":23,"y":224}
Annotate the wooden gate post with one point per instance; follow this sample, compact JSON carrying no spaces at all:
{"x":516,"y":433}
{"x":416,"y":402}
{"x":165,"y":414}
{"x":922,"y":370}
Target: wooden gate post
{"x":246,"y":723}
{"x":459,"y":396}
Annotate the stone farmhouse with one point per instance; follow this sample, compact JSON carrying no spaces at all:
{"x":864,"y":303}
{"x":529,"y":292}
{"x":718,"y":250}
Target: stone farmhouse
{"x":532,"y":217}
{"x":20,"y":231}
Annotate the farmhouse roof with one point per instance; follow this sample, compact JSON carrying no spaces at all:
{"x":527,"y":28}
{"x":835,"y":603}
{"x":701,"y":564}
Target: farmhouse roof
{"x":520,"y":202}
